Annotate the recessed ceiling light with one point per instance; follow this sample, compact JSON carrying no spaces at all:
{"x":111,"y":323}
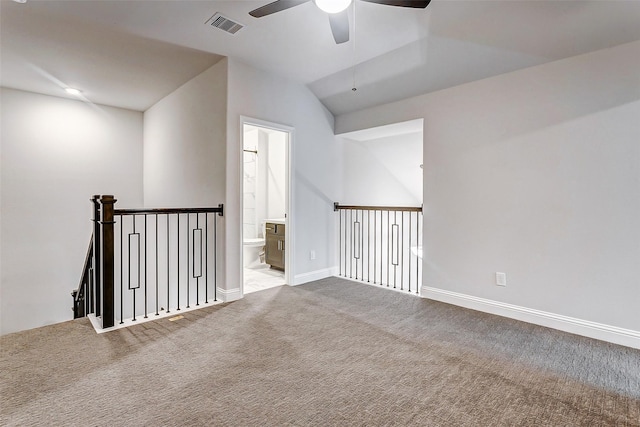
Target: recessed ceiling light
{"x":73,"y":91}
{"x":20,"y":1}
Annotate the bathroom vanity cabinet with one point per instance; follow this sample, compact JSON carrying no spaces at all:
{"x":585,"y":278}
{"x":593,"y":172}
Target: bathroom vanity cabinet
{"x":274,"y":245}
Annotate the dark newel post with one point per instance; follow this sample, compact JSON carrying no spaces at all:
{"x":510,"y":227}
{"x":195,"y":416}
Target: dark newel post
{"x":108,"y":291}
{"x":96,"y":255}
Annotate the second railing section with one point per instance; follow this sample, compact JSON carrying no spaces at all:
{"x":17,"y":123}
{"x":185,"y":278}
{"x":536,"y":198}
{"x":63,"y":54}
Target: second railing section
{"x":381,"y":245}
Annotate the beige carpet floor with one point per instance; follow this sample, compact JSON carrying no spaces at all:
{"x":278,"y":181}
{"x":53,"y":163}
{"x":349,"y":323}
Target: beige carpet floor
{"x":328,"y":353}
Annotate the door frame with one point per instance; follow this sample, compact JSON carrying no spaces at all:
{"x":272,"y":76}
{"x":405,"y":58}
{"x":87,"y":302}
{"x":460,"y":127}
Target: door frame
{"x":290,"y":217}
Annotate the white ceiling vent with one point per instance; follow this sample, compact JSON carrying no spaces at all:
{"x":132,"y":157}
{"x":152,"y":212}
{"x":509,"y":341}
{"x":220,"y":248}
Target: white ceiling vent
{"x":224,"y":23}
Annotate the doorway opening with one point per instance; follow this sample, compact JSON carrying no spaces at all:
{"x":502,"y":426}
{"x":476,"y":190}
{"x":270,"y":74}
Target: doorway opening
{"x":265,"y":205}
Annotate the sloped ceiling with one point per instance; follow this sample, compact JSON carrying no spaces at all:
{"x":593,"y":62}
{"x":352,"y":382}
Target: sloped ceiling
{"x":132,"y":53}
{"x":45,"y":53}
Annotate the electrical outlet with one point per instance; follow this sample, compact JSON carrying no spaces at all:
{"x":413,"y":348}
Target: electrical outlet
{"x":501,"y":279}
{"x":312,"y":255}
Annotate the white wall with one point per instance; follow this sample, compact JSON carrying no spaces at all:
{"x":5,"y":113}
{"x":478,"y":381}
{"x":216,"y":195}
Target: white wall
{"x":535,"y":173}
{"x":276,"y":174}
{"x":315,"y":156}
{"x":254,"y":191}
{"x":57,"y":153}
{"x":383,"y":171}
{"x":264,"y":178}
{"x":184,"y":143}
{"x":184,"y":150}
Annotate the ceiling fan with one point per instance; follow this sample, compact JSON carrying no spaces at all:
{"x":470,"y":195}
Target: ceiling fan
{"x":336,"y":9}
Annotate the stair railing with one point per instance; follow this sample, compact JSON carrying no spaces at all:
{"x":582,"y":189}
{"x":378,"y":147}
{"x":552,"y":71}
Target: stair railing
{"x":148,"y":261}
{"x":381,"y":245}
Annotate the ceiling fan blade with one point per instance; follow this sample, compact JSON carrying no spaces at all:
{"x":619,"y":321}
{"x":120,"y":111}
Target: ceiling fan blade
{"x":276,"y":6}
{"x":418,"y":4}
{"x":340,"y":26}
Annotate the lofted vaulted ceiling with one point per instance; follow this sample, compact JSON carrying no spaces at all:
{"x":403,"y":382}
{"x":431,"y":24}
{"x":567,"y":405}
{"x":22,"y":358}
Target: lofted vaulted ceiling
{"x":132,"y":53}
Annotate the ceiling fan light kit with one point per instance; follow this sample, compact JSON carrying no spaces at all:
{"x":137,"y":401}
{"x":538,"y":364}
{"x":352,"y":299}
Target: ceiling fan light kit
{"x":332,"y":6}
{"x":337,"y":10}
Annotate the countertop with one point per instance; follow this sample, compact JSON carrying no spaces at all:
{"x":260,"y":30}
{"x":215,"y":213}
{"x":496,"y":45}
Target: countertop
{"x":276,"y":220}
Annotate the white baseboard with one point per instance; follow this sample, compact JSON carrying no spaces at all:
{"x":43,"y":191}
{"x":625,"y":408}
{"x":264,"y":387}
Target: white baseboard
{"x":299,"y":279}
{"x":97,"y":323}
{"x":228,"y":295}
{"x":599,"y":331}
{"x":379,"y":286}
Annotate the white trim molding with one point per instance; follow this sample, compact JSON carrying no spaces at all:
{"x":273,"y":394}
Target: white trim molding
{"x":314,"y":275}
{"x":599,"y":331}
{"x":228,"y":295}
{"x":289,"y":238}
{"x":97,"y":323}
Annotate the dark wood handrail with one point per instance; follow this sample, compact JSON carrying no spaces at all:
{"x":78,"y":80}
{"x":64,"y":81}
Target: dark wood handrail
{"x":87,"y":262}
{"x":337,"y":206}
{"x":219,"y":210}
{"x":80,"y":304}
